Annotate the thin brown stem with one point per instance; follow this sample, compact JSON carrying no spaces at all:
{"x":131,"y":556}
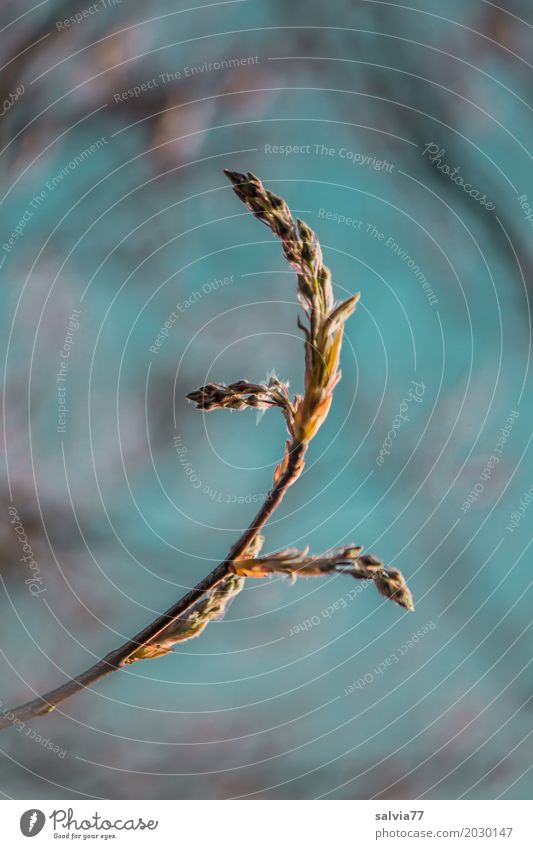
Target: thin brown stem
{"x":119,"y":657}
{"x":304,"y":416}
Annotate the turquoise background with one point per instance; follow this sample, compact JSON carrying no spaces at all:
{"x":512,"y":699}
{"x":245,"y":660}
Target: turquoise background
{"x":118,"y":527}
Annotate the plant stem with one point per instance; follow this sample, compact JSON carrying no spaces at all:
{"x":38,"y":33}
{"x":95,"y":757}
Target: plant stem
{"x":116,"y":659}
{"x":303,"y":416}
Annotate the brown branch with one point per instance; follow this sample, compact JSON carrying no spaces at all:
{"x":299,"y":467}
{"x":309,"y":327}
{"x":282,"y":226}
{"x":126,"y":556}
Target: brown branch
{"x":119,"y":657}
{"x":304,"y":415}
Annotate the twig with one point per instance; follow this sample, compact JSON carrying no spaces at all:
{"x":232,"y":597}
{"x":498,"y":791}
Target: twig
{"x":303,"y":416}
{"x":149,"y":635}
{"x":344,"y":561}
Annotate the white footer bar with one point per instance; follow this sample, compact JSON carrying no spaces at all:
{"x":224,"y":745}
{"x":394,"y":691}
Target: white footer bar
{"x":268,"y":824}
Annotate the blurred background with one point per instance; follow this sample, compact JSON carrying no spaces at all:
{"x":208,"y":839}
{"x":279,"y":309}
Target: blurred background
{"x":130,"y":275}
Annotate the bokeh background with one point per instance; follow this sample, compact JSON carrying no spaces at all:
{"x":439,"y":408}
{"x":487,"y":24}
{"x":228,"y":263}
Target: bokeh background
{"x":116,"y":206}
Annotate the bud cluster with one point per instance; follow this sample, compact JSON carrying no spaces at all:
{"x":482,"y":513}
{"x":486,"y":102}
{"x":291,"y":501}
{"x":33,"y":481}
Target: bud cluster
{"x":324,"y":330}
{"x":192,"y":623}
{"x":348,"y":560}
